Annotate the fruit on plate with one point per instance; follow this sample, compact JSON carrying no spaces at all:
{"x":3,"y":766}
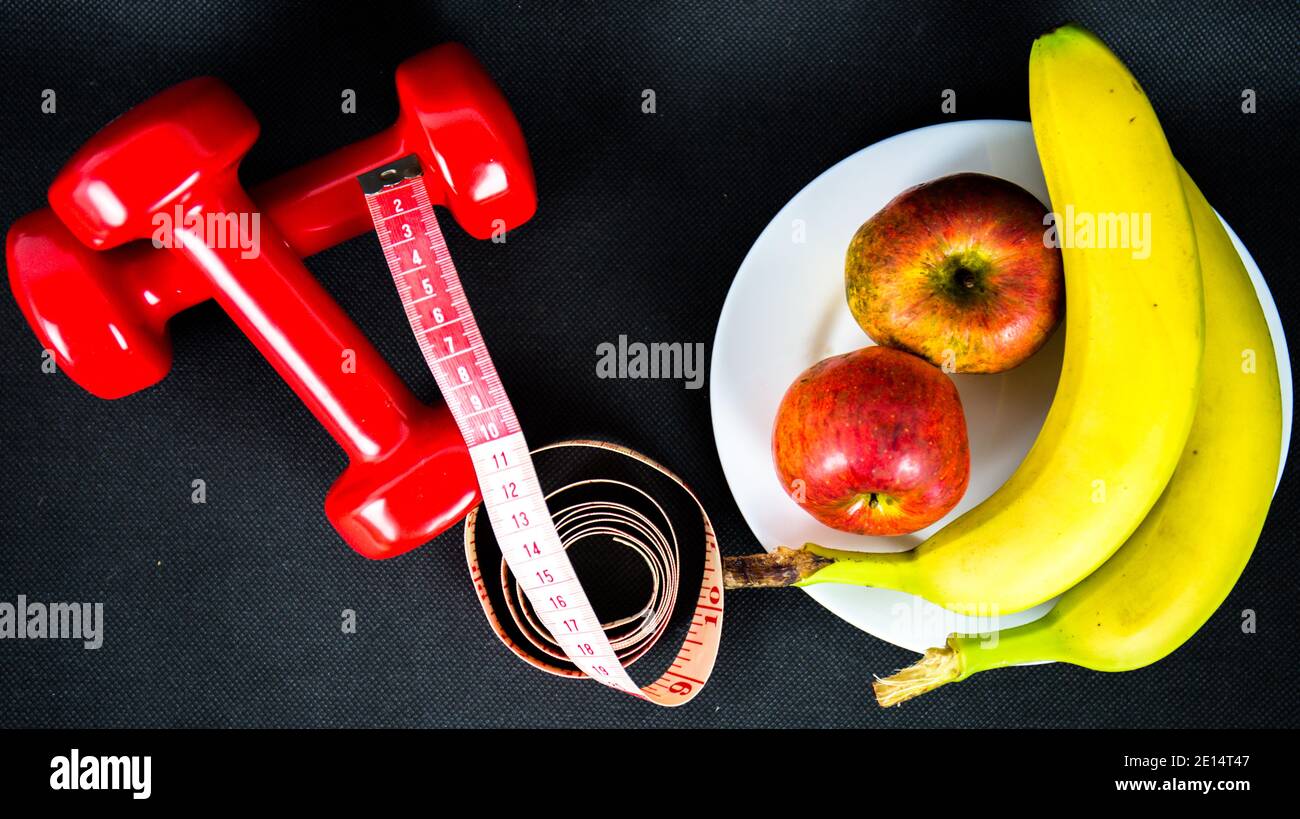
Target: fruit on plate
{"x":1180,"y":564}
{"x":872,"y":442}
{"x":1129,"y":381}
{"x":958,"y":271}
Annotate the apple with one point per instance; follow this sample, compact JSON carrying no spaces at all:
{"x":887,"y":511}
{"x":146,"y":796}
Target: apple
{"x":958,"y":271}
{"x":872,"y":442}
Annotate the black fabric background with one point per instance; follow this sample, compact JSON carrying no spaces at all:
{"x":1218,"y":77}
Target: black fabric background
{"x":227,"y":614}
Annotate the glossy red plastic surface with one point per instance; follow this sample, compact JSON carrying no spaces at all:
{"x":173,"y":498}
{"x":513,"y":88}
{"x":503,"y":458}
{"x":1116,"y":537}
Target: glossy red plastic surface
{"x":104,"y":312}
{"x":456,"y":120}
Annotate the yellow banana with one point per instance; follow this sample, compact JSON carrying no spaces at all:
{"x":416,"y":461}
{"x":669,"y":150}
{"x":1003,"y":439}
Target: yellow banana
{"x":1127,"y":394}
{"x":1180,"y":564}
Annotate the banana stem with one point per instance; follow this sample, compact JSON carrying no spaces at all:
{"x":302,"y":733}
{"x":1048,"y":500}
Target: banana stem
{"x":784,"y":567}
{"x":939,"y":666}
{"x":817,"y":564}
{"x":967,"y":654}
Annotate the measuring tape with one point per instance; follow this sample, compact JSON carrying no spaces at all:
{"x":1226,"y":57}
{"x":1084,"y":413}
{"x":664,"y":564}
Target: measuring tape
{"x":557,"y":613}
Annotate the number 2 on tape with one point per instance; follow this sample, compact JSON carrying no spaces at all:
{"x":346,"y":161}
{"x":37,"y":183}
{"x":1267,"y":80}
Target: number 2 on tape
{"x":449,"y":339}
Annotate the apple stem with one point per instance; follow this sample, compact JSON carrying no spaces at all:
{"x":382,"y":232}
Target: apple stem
{"x":784,"y":567}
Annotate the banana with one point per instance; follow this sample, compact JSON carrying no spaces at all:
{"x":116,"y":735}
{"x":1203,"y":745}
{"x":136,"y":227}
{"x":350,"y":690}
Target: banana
{"x":1180,"y":564}
{"x":1134,"y":328}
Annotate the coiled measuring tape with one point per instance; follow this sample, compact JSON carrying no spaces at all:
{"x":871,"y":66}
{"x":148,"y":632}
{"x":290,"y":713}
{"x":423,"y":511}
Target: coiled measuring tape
{"x":553,"y":611}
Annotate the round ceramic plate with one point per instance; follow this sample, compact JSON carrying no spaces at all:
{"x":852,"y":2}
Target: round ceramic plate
{"x":786,"y":311}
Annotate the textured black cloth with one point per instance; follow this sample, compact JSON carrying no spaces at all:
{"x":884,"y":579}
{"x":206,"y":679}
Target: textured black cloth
{"x":228,"y":613}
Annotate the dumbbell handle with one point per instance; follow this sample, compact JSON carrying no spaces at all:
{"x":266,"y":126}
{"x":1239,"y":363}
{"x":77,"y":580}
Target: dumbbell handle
{"x":319,"y":204}
{"x":302,"y":332}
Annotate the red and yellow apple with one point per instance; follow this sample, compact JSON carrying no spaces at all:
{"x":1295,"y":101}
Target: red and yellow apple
{"x":872,"y":442}
{"x":958,"y":271}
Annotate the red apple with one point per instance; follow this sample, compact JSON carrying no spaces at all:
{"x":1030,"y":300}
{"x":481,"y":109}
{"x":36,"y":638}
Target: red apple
{"x":872,"y":442}
{"x":959,"y":272}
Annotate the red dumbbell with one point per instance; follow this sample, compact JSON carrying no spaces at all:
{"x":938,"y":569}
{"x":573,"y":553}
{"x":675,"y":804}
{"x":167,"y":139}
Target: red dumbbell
{"x":104,"y":312}
{"x":455,"y":118}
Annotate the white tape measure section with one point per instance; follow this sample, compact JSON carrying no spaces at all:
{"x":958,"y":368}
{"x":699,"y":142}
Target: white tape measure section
{"x":448,"y":337}
{"x":690,"y":668}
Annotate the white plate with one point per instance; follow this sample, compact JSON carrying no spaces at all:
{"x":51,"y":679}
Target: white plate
{"x":786,"y":311}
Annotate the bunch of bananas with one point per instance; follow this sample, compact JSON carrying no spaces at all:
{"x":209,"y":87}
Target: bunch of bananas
{"x":1169,"y":390}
